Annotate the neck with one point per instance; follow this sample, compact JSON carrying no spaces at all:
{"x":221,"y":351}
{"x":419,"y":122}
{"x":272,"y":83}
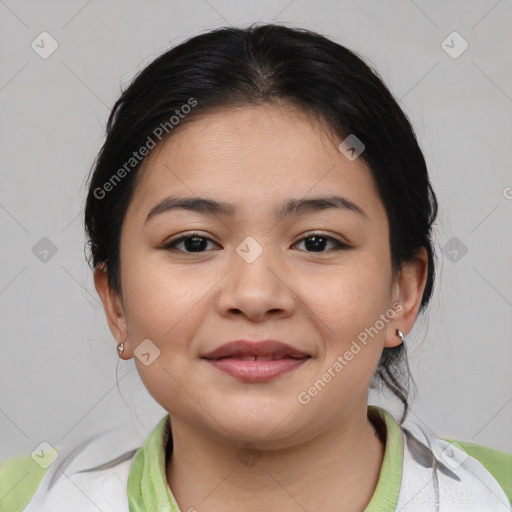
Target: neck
{"x":337,"y":469}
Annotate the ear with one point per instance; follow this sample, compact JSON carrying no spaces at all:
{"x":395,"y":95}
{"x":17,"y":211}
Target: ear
{"x":113,"y":305}
{"x":408,"y":291}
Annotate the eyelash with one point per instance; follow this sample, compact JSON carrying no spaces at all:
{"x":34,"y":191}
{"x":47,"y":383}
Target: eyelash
{"x":339,"y":246}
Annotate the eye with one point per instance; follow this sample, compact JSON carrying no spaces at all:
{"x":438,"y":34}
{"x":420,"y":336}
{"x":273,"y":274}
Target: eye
{"x":193,"y":242}
{"x":317,"y":243}
{"x":196,"y":243}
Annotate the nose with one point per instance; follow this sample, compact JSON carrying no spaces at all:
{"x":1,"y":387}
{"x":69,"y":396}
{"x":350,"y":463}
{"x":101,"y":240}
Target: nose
{"x":259,"y":289}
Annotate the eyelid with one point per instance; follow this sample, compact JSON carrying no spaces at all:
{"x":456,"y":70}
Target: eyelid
{"x":184,"y":236}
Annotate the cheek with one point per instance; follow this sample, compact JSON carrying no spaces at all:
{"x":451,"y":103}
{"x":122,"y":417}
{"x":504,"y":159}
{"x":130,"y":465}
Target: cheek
{"x":163,"y":306}
{"x":348,"y":304}
{"x":159,"y":295}
{"x":349,"y":298}
{"x":167,"y":306}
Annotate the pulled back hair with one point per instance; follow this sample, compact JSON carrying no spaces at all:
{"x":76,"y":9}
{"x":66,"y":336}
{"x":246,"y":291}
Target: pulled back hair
{"x":257,"y":65}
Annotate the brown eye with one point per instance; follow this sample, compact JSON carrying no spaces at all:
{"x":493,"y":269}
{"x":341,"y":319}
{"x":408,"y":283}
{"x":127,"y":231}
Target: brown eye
{"x":317,"y":243}
{"x":192,"y":243}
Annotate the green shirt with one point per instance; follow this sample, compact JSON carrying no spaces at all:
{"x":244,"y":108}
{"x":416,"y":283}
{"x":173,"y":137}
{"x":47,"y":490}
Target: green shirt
{"x":148,"y":488}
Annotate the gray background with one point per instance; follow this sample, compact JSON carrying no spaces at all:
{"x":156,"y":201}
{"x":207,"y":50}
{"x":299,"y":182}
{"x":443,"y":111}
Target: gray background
{"x":58,"y":358}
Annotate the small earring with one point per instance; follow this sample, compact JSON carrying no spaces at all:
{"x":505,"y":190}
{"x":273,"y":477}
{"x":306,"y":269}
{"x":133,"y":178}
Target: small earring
{"x":120,"y":348}
{"x":400,"y":334}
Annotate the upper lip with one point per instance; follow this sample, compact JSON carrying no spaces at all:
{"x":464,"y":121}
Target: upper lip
{"x":240,"y":348}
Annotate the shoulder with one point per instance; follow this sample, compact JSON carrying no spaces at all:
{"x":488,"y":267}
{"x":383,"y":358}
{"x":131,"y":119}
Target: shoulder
{"x":497,"y":462}
{"x":83,"y":475}
{"x":20,"y":477}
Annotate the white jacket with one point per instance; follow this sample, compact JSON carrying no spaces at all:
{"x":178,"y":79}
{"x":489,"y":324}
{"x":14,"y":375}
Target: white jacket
{"x":437,"y":476}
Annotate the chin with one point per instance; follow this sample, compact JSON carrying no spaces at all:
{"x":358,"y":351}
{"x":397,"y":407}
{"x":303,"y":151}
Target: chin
{"x":254,"y":425}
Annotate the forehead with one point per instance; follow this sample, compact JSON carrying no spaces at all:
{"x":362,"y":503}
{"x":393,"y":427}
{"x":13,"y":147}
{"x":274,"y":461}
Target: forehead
{"x":247,"y":155}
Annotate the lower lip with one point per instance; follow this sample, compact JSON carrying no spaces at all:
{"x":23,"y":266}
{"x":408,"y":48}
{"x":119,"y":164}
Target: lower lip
{"x":256,"y":371}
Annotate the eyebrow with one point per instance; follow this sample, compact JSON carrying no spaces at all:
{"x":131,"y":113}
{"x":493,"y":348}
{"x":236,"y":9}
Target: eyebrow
{"x":289,"y":208}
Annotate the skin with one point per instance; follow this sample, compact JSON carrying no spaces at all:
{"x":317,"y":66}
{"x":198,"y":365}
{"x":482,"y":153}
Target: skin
{"x":324,"y":455}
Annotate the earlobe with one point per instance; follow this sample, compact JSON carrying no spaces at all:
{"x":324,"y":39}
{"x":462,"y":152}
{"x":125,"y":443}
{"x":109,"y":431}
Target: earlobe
{"x":409,"y":292}
{"x":112,"y":304}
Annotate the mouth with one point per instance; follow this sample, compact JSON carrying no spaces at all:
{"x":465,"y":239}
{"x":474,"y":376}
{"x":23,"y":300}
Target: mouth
{"x":256,"y":362}
{"x":271,"y":357}
{"x":267,"y":350}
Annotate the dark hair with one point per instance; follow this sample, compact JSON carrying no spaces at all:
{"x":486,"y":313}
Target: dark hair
{"x":261,"y":64}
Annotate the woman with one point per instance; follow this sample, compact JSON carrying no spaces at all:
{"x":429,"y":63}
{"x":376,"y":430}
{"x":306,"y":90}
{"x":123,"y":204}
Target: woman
{"x":260,"y":221}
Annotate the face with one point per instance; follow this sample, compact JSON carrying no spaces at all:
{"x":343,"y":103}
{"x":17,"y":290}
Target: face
{"x":317,"y":279}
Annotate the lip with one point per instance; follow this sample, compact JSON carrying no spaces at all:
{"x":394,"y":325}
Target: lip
{"x":257,"y":371}
{"x":244,"y":348}
{"x":240,"y":359}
